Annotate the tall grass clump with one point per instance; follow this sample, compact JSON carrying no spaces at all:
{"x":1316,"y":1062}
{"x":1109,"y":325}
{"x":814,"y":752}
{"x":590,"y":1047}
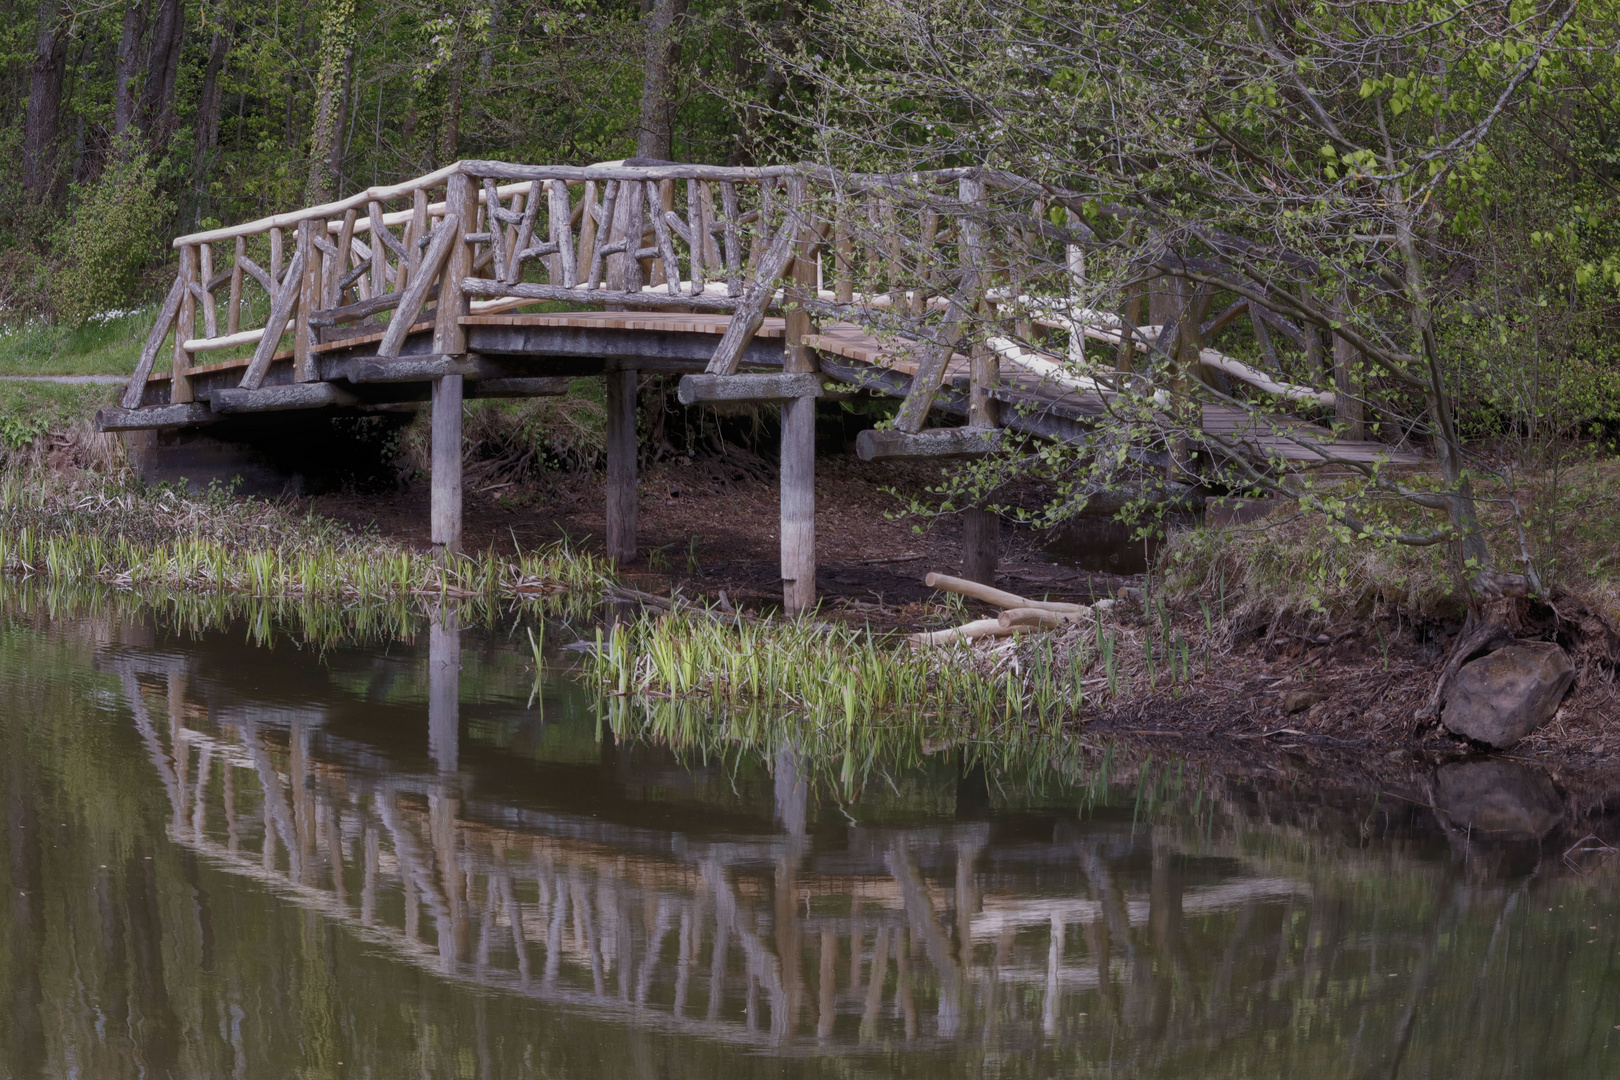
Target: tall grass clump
{"x":834,"y":674}
{"x":1295,"y":565}
{"x":826,"y":671}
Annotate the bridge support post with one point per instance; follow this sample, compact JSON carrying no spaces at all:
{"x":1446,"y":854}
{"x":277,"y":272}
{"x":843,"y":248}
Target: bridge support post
{"x":446,"y":469}
{"x":798,"y":478}
{"x":621,"y":465}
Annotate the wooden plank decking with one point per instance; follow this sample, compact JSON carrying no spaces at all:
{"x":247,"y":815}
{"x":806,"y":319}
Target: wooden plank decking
{"x":1289,"y":438}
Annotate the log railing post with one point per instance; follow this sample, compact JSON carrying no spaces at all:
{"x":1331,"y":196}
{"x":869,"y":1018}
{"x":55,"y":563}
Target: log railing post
{"x":798,"y":456}
{"x":205,"y":274}
{"x":461,"y":199}
{"x":233,"y":312}
{"x":184,"y":329}
{"x":1347,"y":408}
{"x":309,"y":300}
{"x":981,"y":528}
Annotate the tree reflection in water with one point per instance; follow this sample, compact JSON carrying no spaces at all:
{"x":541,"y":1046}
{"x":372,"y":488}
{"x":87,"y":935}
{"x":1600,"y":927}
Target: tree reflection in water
{"x":374,"y":862}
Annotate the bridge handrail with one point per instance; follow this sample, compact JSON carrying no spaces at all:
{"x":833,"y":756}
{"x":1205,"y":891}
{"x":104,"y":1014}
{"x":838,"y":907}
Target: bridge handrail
{"x":763,"y":231}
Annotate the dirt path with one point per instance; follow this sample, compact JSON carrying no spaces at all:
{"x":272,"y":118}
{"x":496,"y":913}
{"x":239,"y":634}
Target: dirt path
{"x":73,"y":380}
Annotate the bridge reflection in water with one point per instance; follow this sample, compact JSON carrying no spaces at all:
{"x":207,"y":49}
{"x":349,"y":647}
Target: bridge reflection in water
{"x":587,"y":893}
{"x":739,"y":931}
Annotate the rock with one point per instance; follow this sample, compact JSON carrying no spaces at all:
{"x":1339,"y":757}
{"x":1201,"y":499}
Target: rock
{"x":1504,"y":696}
{"x":1503,"y":798}
{"x":1296,"y":701}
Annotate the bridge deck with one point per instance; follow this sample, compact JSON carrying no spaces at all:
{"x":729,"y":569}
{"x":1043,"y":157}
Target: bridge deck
{"x":883,"y":367}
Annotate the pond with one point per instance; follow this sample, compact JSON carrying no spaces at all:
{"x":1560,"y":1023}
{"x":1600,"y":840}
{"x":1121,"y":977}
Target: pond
{"x":234,"y":851}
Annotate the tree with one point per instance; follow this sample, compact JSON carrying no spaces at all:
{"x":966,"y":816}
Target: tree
{"x":1336,"y":167}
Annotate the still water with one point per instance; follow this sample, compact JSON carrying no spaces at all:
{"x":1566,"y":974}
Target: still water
{"x":230,"y":853}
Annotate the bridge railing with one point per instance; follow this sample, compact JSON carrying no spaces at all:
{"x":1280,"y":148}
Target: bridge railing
{"x":920,"y":255}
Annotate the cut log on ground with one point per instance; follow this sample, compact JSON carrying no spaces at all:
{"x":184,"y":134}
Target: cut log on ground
{"x":1041,"y":619}
{"x":979,"y":628}
{"x":997,"y":597}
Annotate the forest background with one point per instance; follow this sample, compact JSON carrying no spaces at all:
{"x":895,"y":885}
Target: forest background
{"x":1422,"y":199}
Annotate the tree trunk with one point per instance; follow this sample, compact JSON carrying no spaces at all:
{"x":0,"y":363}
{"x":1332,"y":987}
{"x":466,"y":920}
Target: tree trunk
{"x":208,"y":105}
{"x":1347,"y":408}
{"x":1473,"y":555}
{"x":450,"y":127}
{"x":162,"y":69}
{"x":337,"y":47}
{"x":127,"y":64}
{"x":655,"y":128}
{"x":44,"y":117}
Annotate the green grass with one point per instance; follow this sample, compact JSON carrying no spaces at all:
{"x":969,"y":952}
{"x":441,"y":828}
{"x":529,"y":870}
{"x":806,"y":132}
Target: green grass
{"x":96,"y":348}
{"x":96,"y":529}
{"x":29,"y":410}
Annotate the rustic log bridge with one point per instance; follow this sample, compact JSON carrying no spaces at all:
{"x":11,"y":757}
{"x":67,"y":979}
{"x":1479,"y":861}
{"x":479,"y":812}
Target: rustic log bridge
{"x":372,"y":296}
{"x":697,"y":389}
{"x":197,"y":412}
{"x":402,"y":369}
{"x":280,"y":398}
{"x":875,"y":445}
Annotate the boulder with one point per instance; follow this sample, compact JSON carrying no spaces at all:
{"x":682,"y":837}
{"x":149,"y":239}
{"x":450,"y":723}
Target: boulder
{"x":1502,"y":798}
{"x":1504,"y":696}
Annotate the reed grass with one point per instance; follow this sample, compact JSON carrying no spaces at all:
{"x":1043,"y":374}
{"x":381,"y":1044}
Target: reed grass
{"x":99,"y":530}
{"x":828,"y":675}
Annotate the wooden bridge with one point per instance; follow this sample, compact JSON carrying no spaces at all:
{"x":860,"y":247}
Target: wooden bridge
{"x":781,"y":285}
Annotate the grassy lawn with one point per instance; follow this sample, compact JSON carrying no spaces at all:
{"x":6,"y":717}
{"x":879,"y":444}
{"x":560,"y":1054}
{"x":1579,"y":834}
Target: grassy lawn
{"x":110,"y":347}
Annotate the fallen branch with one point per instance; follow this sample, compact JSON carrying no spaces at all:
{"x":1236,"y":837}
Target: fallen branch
{"x":1038,"y":618}
{"x":997,"y":597}
{"x":979,"y":628}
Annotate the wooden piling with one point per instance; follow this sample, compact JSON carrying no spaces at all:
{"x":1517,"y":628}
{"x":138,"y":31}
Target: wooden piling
{"x":798,"y":474}
{"x":621,"y":465}
{"x":446,"y":500}
{"x":798,"y":464}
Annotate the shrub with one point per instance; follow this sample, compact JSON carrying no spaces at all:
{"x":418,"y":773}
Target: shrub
{"x":110,"y":233}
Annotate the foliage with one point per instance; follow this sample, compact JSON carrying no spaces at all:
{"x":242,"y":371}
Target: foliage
{"x":1372,"y":181}
{"x":112,"y":231}
{"x":29,"y":410}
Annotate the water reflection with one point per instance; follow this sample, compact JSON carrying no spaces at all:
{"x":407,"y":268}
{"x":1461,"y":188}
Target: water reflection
{"x":372,"y":861}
